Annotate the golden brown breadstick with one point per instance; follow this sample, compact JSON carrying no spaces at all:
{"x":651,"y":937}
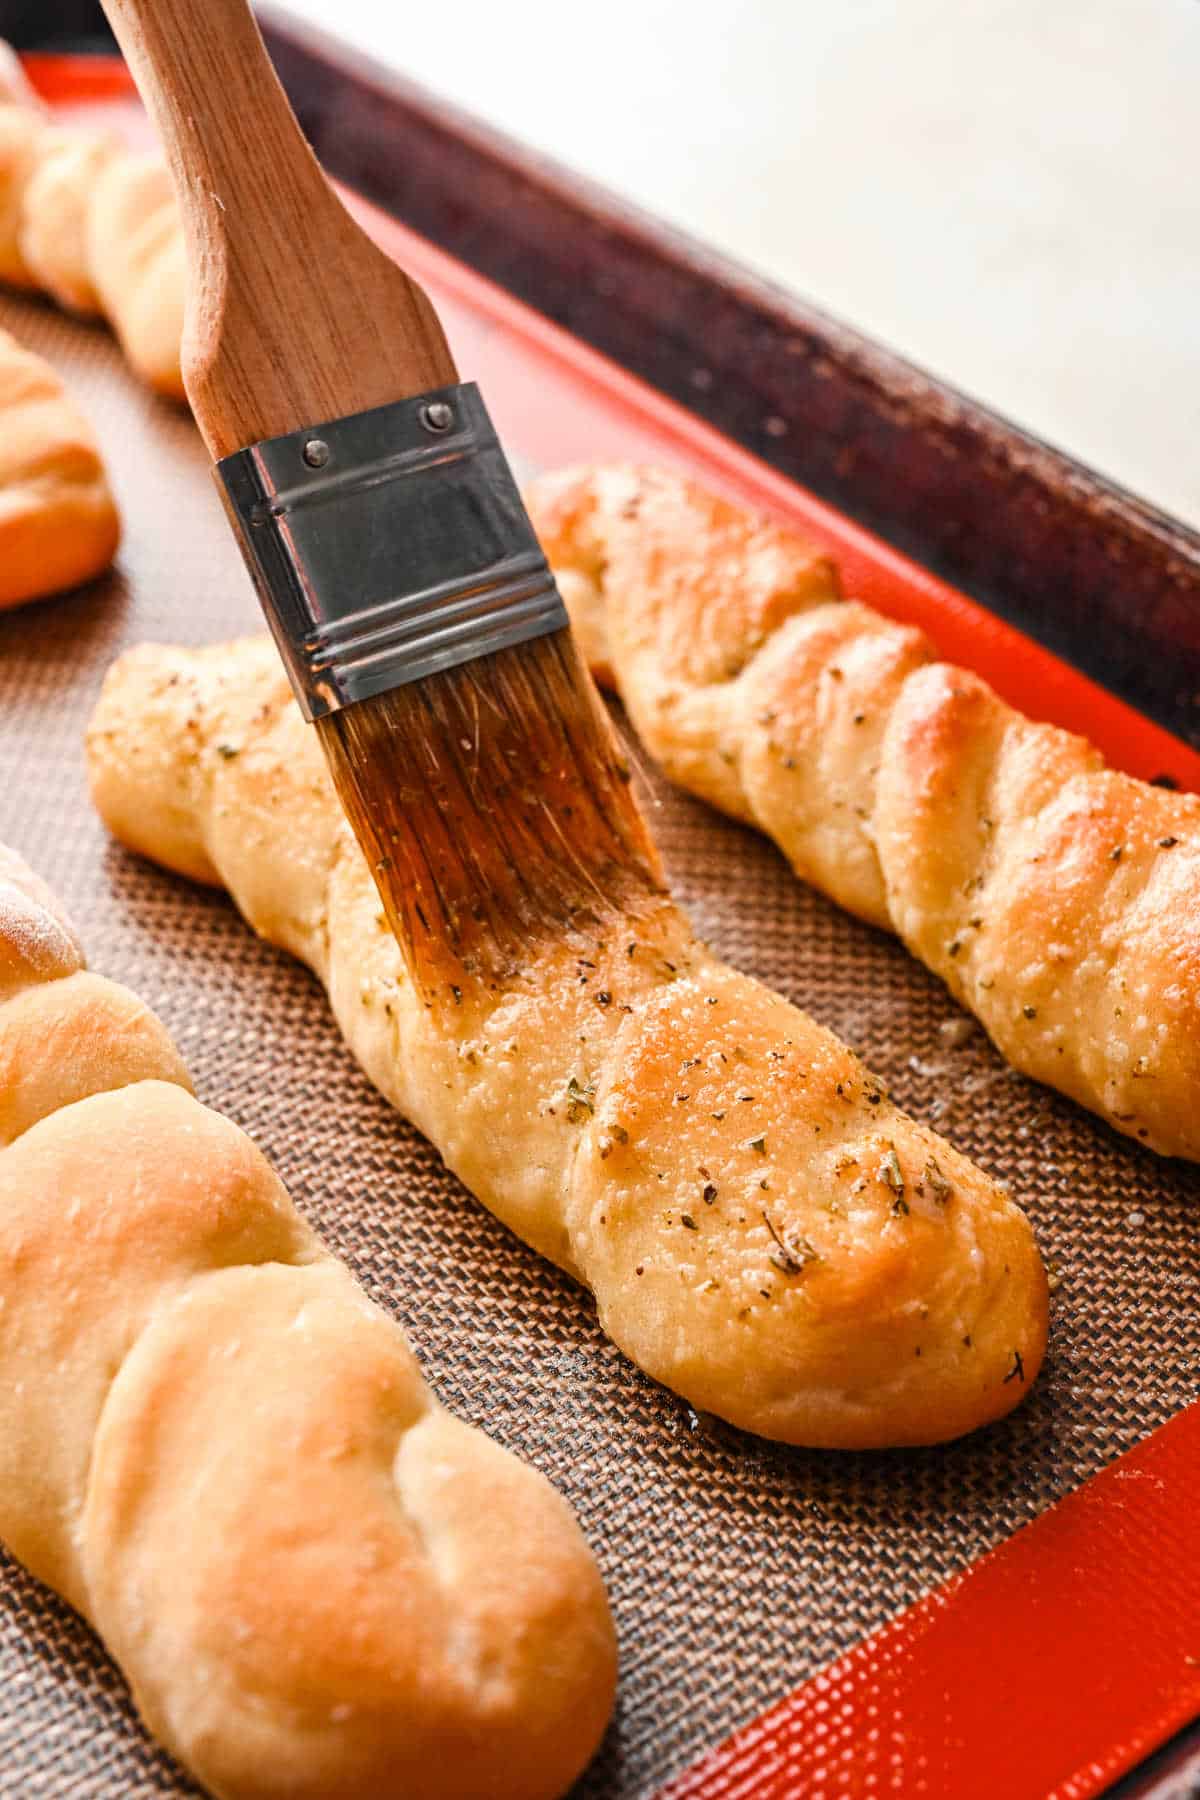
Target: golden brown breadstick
{"x":316,"y":1581}
{"x":1058,"y":899}
{"x":762,"y":1229}
{"x":53,"y":222}
{"x":24,"y":133}
{"x":136,"y":257}
{"x":58,"y":520}
{"x":96,"y":226}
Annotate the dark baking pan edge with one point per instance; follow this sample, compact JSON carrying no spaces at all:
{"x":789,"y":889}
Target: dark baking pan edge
{"x":1172,"y":1773}
{"x":1090,"y":570}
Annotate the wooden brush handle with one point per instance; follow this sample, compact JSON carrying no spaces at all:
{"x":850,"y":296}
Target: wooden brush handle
{"x":293,"y":316}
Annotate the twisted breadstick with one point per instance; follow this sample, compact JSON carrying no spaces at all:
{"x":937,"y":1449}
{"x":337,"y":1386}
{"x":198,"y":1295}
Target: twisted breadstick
{"x":16,"y":89}
{"x":762,"y":1229}
{"x":97,"y":227}
{"x":1058,"y":900}
{"x":136,"y":257}
{"x":58,"y":520}
{"x":53,"y":219}
{"x":317,"y":1582}
{"x":24,"y":132}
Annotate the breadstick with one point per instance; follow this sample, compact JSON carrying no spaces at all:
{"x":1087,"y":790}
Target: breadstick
{"x":316,"y":1581}
{"x":16,"y":89}
{"x":136,"y":257}
{"x":58,"y":520}
{"x":24,"y":134}
{"x":763,"y":1230}
{"x":53,"y":220}
{"x":96,"y":226}
{"x":1059,"y":900}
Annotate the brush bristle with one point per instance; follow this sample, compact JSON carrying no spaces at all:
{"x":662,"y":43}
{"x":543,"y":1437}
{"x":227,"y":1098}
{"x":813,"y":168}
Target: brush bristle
{"x":494,"y":806}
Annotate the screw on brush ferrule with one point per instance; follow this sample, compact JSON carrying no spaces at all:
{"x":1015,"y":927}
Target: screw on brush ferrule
{"x":388,"y":545}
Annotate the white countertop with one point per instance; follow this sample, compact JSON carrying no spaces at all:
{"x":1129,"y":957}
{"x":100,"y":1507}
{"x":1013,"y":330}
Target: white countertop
{"x":1007,"y":191}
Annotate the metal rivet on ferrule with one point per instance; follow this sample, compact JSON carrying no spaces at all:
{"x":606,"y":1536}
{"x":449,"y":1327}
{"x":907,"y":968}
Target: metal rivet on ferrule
{"x":437,"y":416}
{"x":316,"y":453}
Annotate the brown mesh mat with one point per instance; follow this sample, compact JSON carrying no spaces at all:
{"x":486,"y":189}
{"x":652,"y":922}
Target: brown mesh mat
{"x":735,"y":1568}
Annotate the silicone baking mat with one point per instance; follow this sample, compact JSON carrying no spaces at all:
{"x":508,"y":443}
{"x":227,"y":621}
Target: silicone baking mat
{"x":737,"y":1569}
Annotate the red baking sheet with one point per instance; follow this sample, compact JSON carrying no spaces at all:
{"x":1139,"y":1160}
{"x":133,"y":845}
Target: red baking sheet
{"x":1061,"y":1659}
{"x":1047,"y":1668}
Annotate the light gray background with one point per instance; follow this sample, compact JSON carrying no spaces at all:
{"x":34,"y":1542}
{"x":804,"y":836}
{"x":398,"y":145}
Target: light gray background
{"x":1006,"y":190}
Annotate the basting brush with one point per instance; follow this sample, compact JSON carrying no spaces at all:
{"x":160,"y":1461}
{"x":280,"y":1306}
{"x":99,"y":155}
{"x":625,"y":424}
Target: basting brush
{"x":414,"y":610}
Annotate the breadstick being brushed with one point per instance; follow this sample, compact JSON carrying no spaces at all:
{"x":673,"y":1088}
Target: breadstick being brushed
{"x":1059,"y":900}
{"x":762,"y":1229}
{"x":317,"y":1582}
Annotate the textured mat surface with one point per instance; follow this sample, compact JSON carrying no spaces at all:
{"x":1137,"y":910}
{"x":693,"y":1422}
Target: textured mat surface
{"x":735,"y":1568}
